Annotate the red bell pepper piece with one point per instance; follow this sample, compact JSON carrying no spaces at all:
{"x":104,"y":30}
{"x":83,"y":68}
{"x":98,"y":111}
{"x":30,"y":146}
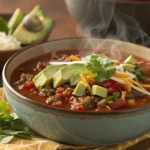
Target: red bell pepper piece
{"x":26,"y":85}
{"x":107,"y":83}
{"x":119,"y":104}
{"x":57,"y":104}
{"x":80,"y":107}
{"x":115,"y":87}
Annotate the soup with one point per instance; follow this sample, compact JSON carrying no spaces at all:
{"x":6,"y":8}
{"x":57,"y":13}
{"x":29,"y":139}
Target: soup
{"x":95,"y":82}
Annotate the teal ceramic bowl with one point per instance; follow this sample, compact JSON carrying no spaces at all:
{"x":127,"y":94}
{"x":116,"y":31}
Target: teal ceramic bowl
{"x":70,"y":127}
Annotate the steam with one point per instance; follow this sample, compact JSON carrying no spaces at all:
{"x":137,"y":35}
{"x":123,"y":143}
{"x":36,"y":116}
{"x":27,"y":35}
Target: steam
{"x":102,"y":21}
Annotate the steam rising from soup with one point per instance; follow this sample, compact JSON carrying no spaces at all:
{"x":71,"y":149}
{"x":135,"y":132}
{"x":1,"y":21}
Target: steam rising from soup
{"x":110,"y":24}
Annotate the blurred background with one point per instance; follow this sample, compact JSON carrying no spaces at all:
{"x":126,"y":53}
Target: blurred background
{"x":65,"y":25}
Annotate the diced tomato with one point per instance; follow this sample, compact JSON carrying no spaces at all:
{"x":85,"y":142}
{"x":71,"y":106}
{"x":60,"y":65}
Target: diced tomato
{"x":26,"y":85}
{"x":107,"y":83}
{"x":60,"y":90}
{"x":80,"y":107}
{"x":57,"y":104}
{"x":115,"y":87}
{"x":119,"y":104}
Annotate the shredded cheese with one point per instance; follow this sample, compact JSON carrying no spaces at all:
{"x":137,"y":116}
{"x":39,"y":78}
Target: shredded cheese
{"x":123,"y":95}
{"x":127,"y":86}
{"x":83,"y":79}
{"x":135,"y":83}
{"x":118,"y":80}
{"x":145,"y":85}
{"x":142,"y":90}
{"x":108,"y":107}
{"x":121,"y":75}
{"x":74,"y":58}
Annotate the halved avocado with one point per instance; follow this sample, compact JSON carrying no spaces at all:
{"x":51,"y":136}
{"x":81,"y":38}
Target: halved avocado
{"x":37,"y":10}
{"x":26,"y":35}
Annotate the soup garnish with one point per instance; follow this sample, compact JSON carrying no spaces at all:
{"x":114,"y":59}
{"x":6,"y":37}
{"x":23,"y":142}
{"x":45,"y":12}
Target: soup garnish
{"x":90,"y":83}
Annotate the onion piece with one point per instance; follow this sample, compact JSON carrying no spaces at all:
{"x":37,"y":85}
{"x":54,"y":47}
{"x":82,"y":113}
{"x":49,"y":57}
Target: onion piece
{"x":66,"y":63}
{"x":141,"y":90}
{"x":118,"y":80}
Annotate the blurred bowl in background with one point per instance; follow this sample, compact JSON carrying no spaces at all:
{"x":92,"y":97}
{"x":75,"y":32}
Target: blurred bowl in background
{"x":119,"y":19}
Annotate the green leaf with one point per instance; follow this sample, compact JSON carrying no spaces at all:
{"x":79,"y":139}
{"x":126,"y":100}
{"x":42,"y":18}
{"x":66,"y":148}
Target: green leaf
{"x":114,"y":97}
{"x":140,"y":74}
{"x":17,"y":124}
{"x":4,"y":139}
{"x":20,"y":134}
{"x":4,"y":106}
{"x":100,"y":64}
{"x":11,"y":125}
{"x":3,"y":25}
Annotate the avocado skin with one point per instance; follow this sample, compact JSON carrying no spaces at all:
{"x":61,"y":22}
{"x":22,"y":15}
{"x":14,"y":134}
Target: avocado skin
{"x":27,"y":37}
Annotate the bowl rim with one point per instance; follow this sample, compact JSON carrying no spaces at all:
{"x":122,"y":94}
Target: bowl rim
{"x":145,"y":2}
{"x":28,"y":100}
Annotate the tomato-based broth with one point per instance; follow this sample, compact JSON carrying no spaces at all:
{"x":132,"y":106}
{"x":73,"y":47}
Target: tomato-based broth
{"x":95,"y":82}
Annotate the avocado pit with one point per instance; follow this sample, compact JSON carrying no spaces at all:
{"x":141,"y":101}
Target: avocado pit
{"x":33,"y":23}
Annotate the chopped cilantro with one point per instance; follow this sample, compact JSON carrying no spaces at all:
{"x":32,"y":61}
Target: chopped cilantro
{"x":10,"y":125}
{"x":114,"y":97}
{"x":140,"y":74}
{"x":100,"y":64}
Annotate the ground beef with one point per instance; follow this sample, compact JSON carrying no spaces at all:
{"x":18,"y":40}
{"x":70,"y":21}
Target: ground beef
{"x":88,"y":101}
{"x":60,"y":57}
{"x":24,"y":78}
{"x":133,"y":94}
{"x":47,"y":91}
{"x":69,"y":89}
{"x":102,"y":103}
{"x":66,"y":86}
{"x":40,"y":66}
{"x":52,"y":99}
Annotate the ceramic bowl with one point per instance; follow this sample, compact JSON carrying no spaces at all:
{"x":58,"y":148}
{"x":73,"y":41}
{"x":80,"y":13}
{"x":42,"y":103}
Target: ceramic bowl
{"x":121,"y":19}
{"x":71,"y":127}
{"x":6,"y":54}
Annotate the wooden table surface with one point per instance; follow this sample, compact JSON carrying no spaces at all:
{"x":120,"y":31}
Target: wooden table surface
{"x":65,"y":27}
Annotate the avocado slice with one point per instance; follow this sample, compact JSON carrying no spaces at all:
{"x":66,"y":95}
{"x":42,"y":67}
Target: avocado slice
{"x":64,"y":74}
{"x":74,"y":79}
{"x":99,"y":91}
{"x":45,"y":76}
{"x":131,"y":60}
{"x":26,"y":36}
{"x":128,"y":67}
{"x":15,"y":19}
{"x":80,"y":89}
